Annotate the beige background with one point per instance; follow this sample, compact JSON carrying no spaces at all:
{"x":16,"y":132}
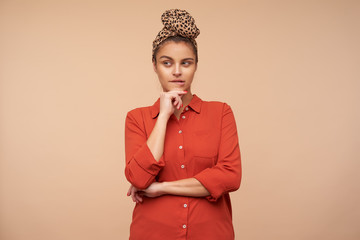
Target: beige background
{"x":70,"y":71}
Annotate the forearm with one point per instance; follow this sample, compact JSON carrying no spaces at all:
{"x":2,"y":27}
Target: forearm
{"x":156,"y":139}
{"x":190,"y":187}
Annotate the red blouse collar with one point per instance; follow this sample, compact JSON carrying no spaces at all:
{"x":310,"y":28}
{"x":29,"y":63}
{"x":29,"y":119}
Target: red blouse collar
{"x":195,"y":104}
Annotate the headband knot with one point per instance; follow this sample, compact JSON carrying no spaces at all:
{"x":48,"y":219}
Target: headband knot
{"x":176,"y":23}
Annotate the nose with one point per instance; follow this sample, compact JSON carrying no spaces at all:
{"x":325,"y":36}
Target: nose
{"x":177,"y":70}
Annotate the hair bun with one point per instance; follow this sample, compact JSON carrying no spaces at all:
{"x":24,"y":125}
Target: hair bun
{"x":180,"y":22}
{"x":176,"y":23}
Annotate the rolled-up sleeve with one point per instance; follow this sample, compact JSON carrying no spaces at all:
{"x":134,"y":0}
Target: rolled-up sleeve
{"x":141,"y":166}
{"x":225,"y":176}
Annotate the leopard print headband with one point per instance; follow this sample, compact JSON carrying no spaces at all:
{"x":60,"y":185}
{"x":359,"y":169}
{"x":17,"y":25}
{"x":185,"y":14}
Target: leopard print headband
{"x":176,"y":23}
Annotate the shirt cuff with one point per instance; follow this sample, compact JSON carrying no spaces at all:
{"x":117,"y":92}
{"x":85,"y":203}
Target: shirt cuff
{"x":145,"y":161}
{"x":213,"y":188}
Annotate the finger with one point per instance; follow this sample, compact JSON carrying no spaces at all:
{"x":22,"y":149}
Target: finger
{"x":183,"y":93}
{"x":129,"y":191}
{"x":179,"y":92}
{"x":133,"y":197}
{"x":133,"y":193}
{"x":179,"y":104}
{"x":175,"y":101}
{"x":138,"y":196}
{"x":173,"y":94}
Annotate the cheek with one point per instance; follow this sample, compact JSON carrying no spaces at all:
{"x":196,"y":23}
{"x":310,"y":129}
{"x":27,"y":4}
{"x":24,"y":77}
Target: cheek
{"x":190,"y":73}
{"x":163,"y":75}
{"x":163,"y":72}
{"x":160,"y":75}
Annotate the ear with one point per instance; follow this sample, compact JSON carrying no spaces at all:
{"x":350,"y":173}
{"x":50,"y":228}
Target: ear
{"x":154,"y":66}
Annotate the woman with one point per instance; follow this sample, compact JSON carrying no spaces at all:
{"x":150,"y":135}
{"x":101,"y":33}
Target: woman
{"x":182,"y":153}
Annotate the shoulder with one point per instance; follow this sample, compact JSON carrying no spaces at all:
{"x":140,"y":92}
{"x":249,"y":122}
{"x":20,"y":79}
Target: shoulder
{"x":138,"y":110}
{"x":217,"y":111}
{"x":138,"y":114}
{"x":216,"y":106}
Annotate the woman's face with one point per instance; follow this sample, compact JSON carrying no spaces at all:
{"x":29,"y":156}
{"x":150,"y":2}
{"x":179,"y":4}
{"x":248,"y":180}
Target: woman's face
{"x":175,"y":66}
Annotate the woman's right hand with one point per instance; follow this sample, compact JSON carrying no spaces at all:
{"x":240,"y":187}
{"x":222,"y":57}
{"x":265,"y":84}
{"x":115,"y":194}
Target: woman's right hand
{"x":169,"y":101}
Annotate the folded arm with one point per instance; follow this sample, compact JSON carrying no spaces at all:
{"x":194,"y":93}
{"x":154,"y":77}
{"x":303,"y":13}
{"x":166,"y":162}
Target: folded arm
{"x":211,"y":183}
{"x":144,"y":155}
{"x":190,"y":187}
{"x":142,"y":164}
{"x":225,"y":176}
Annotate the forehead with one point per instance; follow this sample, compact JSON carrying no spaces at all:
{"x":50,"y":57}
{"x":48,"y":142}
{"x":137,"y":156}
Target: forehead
{"x":176,"y":50}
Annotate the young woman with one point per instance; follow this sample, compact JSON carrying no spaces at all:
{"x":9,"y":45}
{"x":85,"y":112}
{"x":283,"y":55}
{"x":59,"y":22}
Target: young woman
{"x":182,"y":153}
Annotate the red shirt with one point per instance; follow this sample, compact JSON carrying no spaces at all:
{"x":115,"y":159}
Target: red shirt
{"x":202,"y":144}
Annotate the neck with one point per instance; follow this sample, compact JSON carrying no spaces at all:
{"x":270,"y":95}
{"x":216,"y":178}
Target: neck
{"x":186,"y":99}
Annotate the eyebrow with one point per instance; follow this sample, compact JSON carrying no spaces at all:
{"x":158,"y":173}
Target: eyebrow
{"x":172,"y":59}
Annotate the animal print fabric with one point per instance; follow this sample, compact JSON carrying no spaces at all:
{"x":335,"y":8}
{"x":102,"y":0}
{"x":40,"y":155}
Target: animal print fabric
{"x":176,"y":22}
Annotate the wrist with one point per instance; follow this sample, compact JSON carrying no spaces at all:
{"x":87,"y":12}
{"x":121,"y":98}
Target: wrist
{"x":164,"y":188}
{"x":163,"y":117}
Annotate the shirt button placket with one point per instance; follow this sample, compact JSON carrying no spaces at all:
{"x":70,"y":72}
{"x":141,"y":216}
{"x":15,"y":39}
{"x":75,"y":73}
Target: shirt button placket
{"x":181,"y":147}
{"x":182,"y":138}
{"x":185,"y":207}
{"x":183,"y":172}
{"x":182,"y":159}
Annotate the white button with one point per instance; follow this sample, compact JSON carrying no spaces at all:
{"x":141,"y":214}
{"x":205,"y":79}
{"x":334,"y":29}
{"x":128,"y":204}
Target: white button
{"x":180,"y":131}
{"x":184,"y":226}
{"x":182,"y":166}
{"x":185,"y":205}
{"x":180,"y":147}
{"x":186,"y":108}
{"x":183,"y":117}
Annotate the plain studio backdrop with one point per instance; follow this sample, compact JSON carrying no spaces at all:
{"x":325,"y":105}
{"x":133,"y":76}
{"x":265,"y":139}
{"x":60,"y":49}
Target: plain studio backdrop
{"x":71,"y":70}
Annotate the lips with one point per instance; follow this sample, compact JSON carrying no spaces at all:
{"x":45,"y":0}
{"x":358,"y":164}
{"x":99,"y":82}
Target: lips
{"x":177,"y":81}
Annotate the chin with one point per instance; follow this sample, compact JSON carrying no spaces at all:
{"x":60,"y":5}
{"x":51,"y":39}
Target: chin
{"x":175,"y":89}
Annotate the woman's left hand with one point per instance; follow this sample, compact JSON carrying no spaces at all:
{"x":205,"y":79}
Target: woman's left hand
{"x":154,"y":190}
{"x":135,"y":193}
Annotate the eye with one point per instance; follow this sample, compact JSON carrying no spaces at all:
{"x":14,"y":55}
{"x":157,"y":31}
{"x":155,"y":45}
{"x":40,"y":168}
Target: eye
{"x":186,"y":63}
{"x":166,"y":63}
